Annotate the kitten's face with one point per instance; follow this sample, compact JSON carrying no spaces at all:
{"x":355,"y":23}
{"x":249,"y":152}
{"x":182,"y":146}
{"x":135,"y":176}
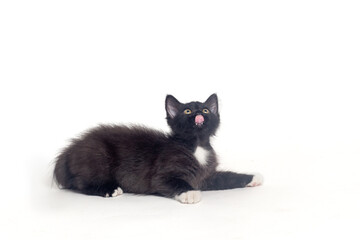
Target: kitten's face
{"x":194,"y":118}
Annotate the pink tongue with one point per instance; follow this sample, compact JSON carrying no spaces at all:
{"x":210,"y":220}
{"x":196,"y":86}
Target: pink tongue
{"x":199,"y":119}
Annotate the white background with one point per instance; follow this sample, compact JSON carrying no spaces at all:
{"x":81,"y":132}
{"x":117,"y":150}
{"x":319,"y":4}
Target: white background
{"x":287,"y":75}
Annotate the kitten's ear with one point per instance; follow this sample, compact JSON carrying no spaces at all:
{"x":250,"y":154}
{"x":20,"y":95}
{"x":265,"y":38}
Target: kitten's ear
{"x":172,"y":106}
{"x":212,"y":103}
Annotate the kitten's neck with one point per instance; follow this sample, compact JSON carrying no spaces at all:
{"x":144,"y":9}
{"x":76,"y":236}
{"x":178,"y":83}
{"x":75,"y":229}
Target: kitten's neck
{"x":192,"y":141}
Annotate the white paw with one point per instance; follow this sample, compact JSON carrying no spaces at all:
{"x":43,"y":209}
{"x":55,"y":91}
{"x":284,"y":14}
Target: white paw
{"x":257,"y":180}
{"x":117,"y":192}
{"x":189,"y":197}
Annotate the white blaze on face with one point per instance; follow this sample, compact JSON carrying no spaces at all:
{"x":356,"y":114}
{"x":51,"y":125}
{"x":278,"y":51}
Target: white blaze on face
{"x":201,"y":155}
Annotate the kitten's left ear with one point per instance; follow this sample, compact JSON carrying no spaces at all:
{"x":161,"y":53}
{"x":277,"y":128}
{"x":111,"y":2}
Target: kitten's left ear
{"x":212,"y":103}
{"x":172,"y":106}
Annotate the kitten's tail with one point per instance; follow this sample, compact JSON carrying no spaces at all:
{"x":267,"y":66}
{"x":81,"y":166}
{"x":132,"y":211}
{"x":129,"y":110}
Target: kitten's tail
{"x":62,"y":174}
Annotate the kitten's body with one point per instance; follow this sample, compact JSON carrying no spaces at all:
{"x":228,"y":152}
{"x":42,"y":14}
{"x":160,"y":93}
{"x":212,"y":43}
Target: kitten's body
{"x":144,"y":161}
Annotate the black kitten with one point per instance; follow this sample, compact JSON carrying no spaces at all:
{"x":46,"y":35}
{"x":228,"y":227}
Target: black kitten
{"x":110,"y":160}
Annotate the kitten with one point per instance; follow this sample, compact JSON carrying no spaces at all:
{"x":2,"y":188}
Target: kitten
{"x":110,"y":159}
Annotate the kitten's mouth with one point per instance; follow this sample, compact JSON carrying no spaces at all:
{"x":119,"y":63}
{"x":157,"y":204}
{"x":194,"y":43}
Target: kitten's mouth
{"x":199,"y":120}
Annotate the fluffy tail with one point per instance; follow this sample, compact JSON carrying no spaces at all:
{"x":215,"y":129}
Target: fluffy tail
{"x":62,"y":175}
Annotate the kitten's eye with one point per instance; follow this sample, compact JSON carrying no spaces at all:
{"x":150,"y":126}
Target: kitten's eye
{"x":187,"y":111}
{"x":205,"y":110}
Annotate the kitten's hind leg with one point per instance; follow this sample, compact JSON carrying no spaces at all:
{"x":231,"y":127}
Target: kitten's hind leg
{"x":105,"y":190}
{"x":117,"y":192}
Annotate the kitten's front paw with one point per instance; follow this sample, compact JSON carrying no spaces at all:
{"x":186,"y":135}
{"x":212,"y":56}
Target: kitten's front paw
{"x":189,"y":197}
{"x":117,"y":192}
{"x":257,"y":180}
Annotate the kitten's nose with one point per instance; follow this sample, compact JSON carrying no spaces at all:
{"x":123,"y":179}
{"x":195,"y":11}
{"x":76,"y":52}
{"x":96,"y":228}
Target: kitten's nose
{"x":199,"y":119}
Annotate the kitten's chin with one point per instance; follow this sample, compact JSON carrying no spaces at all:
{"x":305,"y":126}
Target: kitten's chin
{"x":199,"y":125}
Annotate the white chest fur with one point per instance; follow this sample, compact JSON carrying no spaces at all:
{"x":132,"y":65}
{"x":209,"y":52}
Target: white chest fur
{"x":201,"y":154}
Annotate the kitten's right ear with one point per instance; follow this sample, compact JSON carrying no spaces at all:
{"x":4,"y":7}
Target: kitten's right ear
{"x":172,"y":106}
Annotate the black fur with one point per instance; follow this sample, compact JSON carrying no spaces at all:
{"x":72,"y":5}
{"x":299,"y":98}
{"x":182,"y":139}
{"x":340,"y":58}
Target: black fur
{"x":145,"y":161}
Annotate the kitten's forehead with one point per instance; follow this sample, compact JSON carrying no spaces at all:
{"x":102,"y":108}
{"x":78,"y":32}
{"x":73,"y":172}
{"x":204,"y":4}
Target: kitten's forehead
{"x":194,"y":105}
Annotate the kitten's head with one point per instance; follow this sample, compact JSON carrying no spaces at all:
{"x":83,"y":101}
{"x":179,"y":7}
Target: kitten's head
{"x":193,"y":119}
